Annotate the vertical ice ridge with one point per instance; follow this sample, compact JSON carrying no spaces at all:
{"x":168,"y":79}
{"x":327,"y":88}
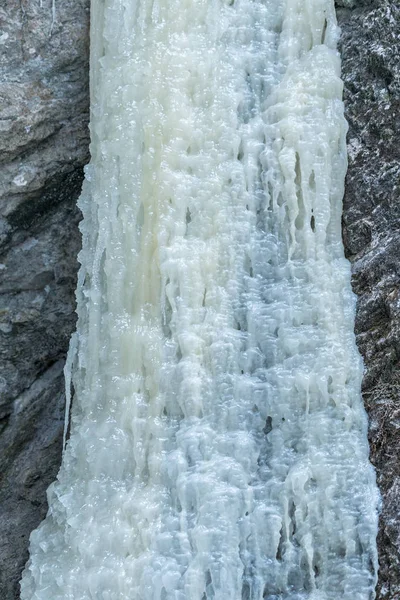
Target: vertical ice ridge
{"x":218,"y":443}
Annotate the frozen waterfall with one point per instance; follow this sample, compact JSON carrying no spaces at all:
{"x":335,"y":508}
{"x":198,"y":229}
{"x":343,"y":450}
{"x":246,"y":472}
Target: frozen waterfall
{"x":218,"y":445}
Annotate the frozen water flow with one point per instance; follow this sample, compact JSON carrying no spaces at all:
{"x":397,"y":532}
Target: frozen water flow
{"x":218,"y":444}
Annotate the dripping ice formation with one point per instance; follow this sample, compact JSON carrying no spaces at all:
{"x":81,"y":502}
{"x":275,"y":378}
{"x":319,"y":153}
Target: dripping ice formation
{"x":218,"y":445}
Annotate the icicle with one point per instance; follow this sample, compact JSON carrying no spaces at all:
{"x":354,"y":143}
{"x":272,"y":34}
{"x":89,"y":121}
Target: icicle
{"x":73,"y":346}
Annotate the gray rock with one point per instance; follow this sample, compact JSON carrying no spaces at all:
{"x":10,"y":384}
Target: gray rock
{"x":43,"y":146}
{"x":371,"y":230}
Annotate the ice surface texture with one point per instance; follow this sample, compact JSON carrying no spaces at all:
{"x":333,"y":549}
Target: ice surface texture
{"x":218,"y":443}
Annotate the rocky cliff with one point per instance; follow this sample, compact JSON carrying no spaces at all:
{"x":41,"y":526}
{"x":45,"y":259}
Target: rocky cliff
{"x":370,"y":47}
{"x":43,"y":147}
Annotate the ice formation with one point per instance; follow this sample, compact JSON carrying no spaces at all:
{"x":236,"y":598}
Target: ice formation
{"x":218,"y":445}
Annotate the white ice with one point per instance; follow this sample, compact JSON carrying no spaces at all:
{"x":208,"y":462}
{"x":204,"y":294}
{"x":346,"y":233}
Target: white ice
{"x":218,"y":444}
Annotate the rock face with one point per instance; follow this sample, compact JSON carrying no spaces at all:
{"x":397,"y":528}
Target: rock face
{"x":371,"y":229}
{"x":43,"y":147}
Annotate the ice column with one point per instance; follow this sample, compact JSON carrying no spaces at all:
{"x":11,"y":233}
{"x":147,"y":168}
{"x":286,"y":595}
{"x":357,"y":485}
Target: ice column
{"x":218,"y":445}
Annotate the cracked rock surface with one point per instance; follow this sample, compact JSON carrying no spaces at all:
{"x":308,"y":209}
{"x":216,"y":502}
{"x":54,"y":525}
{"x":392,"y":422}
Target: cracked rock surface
{"x":370,"y":49}
{"x":43,"y":147}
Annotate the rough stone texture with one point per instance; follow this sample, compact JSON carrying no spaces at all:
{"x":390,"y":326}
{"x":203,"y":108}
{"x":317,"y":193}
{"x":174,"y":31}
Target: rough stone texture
{"x":371,"y":229}
{"x":43,"y":145}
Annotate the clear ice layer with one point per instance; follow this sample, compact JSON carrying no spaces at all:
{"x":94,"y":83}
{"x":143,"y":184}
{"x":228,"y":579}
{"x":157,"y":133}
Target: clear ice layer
{"x":218,"y":445}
